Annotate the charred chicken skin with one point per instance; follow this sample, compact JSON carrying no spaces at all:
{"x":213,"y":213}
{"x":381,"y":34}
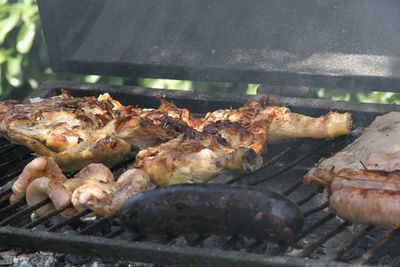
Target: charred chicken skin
{"x":232,"y":140}
{"x":194,"y":158}
{"x":264,"y":117}
{"x":73,"y":131}
{"x":78,"y":131}
{"x":174,"y":146}
{"x":365,"y":175}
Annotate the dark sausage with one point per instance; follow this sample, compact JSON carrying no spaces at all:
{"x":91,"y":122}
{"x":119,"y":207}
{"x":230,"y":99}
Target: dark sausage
{"x":214,"y":209}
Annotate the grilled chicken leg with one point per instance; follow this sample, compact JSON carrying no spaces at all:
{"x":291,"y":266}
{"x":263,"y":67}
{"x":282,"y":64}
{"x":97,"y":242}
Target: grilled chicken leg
{"x":232,"y":140}
{"x":194,"y":159}
{"x":262,"y":116}
{"x":105,"y":199}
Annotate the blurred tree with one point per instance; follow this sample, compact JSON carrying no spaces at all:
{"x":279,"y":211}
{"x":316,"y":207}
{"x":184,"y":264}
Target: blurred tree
{"x":24,"y":64}
{"x":18,"y":23}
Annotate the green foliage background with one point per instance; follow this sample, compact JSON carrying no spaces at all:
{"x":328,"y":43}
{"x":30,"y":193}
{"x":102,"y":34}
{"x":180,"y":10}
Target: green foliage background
{"x":24,"y":63}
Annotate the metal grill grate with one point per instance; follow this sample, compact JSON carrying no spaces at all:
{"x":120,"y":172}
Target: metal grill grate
{"x":325,"y":238}
{"x":318,"y":220}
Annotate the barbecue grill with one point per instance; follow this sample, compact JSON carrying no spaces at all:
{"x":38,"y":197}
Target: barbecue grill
{"x":285,"y":44}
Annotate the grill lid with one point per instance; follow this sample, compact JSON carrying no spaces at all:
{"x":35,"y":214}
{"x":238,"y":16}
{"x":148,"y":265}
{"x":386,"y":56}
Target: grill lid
{"x":349,"y":44}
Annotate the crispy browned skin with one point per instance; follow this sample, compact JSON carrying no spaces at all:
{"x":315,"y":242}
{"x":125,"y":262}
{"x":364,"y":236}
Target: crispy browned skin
{"x":365,"y":175}
{"x":193,"y":158}
{"x":232,"y":139}
{"x":149,"y":127}
{"x":263,"y":117}
{"x":77,"y":131}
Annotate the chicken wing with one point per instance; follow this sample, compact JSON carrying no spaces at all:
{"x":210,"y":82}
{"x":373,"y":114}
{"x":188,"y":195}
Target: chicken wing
{"x":106,"y":199}
{"x":92,"y":188}
{"x":39,"y":167}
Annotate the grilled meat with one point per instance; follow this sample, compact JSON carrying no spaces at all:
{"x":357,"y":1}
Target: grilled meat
{"x":79,"y":131}
{"x":39,"y":167}
{"x":149,"y":127}
{"x":232,"y":140}
{"x":43,"y":188}
{"x":214,"y":209}
{"x":373,"y":150}
{"x":365,"y":175}
{"x":192,"y":158}
{"x":367,"y":206}
{"x":262,"y":117}
{"x":105,"y":199}
{"x":92,"y":188}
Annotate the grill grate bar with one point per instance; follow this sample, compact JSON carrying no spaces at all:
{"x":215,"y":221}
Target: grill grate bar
{"x":5,"y":192}
{"x":139,"y":237}
{"x":229,"y":242}
{"x":291,"y":164}
{"x":293,"y":187}
{"x":395,"y":261}
{"x":24,"y":211}
{"x":369,"y":253}
{"x":5,"y":198}
{"x":47,"y":216}
{"x":351,"y":243}
{"x":6,"y":178}
{"x":3,"y":141}
{"x":9,"y":208}
{"x":115,"y":233}
{"x":266,"y":164}
{"x":281,"y":154}
{"x":254,"y":246}
{"x":21,"y":160}
{"x":197,"y":241}
{"x":168,"y":239}
{"x":7,"y":147}
{"x":4,"y":201}
{"x":318,"y":190}
{"x":316,"y":209}
{"x":314,"y":226}
{"x":97,"y":224}
{"x":307,"y":251}
{"x":68,"y":221}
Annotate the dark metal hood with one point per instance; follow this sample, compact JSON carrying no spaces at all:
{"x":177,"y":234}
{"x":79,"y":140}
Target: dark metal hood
{"x":335,"y":43}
